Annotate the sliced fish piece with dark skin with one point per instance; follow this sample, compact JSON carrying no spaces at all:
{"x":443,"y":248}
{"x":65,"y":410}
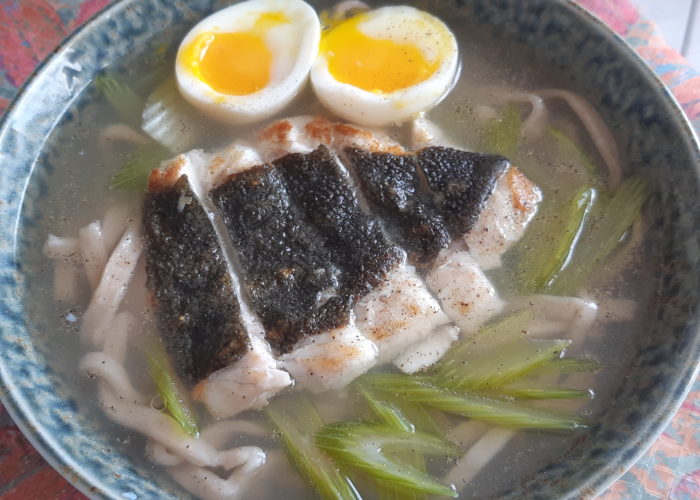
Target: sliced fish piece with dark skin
{"x":196,"y":310}
{"x":394,"y":309}
{"x":505,"y":215}
{"x":355,"y":239}
{"x":290,"y":275}
{"x":391,"y":184}
{"x":214,"y":339}
{"x":461,"y":183}
{"x":323,"y":261}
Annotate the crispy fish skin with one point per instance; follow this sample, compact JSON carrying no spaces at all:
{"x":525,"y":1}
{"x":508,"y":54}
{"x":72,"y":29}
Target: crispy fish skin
{"x":461,"y":183}
{"x":287,"y":269}
{"x":391,"y":184}
{"x":197,"y":313}
{"x":355,"y":239}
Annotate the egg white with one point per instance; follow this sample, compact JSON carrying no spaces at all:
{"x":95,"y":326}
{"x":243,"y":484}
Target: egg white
{"x":293,"y":46}
{"x":400,"y":24}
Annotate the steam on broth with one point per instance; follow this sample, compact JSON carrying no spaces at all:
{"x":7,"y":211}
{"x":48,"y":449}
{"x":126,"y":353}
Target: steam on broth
{"x":496,"y":273}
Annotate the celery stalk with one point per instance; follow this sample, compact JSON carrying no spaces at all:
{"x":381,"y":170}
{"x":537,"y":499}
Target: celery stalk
{"x":388,"y":491}
{"x":170,"y":120}
{"x":393,"y":416}
{"x":123,"y":100}
{"x":550,"y":251}
{"x":297,"y":430}
{"x":566,"y":365}
{"x":623,"y":209}
{"x":367,"y":447}
{"x":167,"y":386}
{"x":502,"y":134}
{"x":390,"y":414}
{"x":497,"y":412}
{"x":499,"y":366}
{"x":503,"y":330}
{"x":419,"y":415}
{"x":543,"y":393}
{"x":572,"y":152}
{"x":398,"y":413}
{"x":134,"y":174}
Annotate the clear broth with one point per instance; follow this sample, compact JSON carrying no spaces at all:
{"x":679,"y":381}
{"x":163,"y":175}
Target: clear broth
{"x":77,"y":194}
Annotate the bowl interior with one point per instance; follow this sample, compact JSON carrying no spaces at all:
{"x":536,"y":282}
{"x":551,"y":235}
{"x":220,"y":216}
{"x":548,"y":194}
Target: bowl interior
{"x":56,"y":407}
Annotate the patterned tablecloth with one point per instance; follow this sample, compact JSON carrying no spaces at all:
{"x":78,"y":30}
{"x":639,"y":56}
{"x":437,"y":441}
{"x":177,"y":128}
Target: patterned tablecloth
{"x":31,"y":29}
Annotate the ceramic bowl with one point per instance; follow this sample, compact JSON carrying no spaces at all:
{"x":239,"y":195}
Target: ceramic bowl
{"x":654,"y":136}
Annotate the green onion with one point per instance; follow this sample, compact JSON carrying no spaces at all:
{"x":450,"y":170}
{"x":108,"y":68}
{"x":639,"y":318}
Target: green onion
{"x":623,"y":209}
{"x":550,"y":250}
{"x":123,"y":100}
{"x":134,"y":174}
{"x":368,"y":447}
{"x":497,"y":412}
{"x":297,"y":426}
{"x":502,"y":134}
{"x":167,"y":386}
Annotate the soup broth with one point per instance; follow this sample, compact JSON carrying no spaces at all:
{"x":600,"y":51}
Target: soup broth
{"x":82,"y":162}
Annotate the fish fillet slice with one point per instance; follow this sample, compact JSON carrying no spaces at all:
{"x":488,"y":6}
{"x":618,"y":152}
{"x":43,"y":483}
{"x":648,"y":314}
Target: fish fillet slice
{"x":196,"y":309}
{"x":247,"y":383}
{"x":242,"y":373}
{"x":461,"y":183}
{"x":301,"y":272}
{"x":330,"y":360}
{"x":289,"y":273}
{"x":505,"y":216}
{"x":303,"y":134}
{"x":399,"y":313}
{"x":391,"y":184}
{"x":354,"y":238}
{"x":465,"y":293}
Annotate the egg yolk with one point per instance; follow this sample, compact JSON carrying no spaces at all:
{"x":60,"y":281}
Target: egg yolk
{"x":373,"y":64}
{"x":236,"y":63}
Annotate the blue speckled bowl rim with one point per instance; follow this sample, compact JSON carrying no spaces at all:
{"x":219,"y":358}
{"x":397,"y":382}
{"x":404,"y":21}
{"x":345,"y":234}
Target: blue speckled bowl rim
{"x":646,"y":438}
{"x":68,"y":467}
{"x":40,"y":440}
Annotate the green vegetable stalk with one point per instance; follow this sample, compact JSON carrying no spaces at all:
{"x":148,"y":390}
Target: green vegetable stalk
{"x":125,"y":102}
{"x":134,"y":174}
{"x":369,"y":447}
{"x":297,"y":423}
{"x":168,"y":388}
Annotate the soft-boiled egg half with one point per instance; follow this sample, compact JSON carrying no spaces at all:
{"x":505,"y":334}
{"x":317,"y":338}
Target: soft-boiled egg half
{"x":385,"y":65}
{"x":246,"y":62}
